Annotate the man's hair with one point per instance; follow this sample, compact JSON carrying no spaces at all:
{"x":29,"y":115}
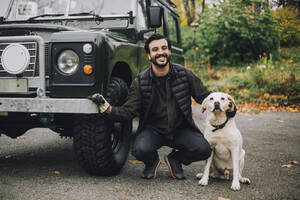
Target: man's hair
{"x":155,"y":36}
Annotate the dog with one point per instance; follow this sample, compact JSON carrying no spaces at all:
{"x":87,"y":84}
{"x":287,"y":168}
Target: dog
{"x":227,"y":158}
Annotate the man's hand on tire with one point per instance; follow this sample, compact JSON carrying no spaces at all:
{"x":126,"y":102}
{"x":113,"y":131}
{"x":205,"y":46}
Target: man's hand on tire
{"x":100,"y":101}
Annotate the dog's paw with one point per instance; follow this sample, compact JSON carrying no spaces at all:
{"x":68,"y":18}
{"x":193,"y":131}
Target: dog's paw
{"x":245,"y":180}
{"x":235,"y":186}
{"x":203,"y":181}
{"x":199,"y":175}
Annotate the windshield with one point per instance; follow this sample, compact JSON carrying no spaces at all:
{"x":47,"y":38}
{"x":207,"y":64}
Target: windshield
{"x":24,"y":9}
{"x":4,"y":7}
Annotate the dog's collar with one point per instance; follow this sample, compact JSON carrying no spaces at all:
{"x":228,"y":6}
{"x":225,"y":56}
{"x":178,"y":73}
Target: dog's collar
{"x":217,"y":127}
{"x":228,"y":116}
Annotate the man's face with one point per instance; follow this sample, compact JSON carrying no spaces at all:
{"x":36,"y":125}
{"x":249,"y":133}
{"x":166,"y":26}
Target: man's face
{"x":159,"y":53}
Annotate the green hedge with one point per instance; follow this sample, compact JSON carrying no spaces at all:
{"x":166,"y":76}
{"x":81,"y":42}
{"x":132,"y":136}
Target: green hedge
{"x":233,"y":32}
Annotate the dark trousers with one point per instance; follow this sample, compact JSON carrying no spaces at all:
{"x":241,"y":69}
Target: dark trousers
{"x":191,"y":145}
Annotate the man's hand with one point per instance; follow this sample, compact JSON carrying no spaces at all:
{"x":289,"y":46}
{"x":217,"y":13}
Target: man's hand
{"x":100,"y":101}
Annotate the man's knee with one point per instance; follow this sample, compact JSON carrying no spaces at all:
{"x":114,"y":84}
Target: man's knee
{"x":204,"y":152}
{"x":142,"y":150}
{"x":201,"y":153}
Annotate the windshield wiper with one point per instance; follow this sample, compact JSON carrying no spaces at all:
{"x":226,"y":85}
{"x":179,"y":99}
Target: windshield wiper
{"x":44,"y":15}
{"x":98,"y":17}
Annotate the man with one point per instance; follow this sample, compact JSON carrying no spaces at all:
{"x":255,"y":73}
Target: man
{"x":161,"y":97}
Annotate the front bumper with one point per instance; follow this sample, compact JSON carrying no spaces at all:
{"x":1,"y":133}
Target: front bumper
{"x":47,"y":105}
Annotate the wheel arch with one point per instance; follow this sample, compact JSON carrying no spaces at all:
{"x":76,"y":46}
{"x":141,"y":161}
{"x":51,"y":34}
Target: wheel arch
{"x":123,"y":71}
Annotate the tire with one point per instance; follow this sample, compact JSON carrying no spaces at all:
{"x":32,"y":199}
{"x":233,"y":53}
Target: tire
{"x":102,"y":145}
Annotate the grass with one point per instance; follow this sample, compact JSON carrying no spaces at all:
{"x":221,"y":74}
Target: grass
{"x":272,"y":79}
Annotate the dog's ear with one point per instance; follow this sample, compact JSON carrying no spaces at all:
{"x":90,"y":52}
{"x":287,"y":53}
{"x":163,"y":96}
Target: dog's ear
{"x":230,"y":98}
{"x":204,"y":105}
{"x":231,"y":102}
{"x":232,"y":111}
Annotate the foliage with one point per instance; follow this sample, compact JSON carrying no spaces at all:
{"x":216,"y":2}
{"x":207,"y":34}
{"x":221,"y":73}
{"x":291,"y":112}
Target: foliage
{"x":269,"y":80}
{"x":236,"y":32}
{"x":288,"y":3}
{"x":289,"y":28}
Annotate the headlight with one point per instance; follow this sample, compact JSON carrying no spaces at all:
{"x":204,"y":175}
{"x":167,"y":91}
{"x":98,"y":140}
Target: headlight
{"x":68,"y":62}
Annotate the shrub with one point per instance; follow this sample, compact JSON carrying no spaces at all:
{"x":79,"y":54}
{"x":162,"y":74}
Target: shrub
{"x":236,"y":32}
{"x":289,"y":28}
{"x":273,"y":80}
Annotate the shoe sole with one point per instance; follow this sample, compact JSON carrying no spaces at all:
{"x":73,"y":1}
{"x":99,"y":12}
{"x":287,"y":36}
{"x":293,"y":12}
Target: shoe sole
{"x":170,"y":168}
{"x":156,"y":168}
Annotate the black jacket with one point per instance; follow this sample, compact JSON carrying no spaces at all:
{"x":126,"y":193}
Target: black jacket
{"x":183,"y":83}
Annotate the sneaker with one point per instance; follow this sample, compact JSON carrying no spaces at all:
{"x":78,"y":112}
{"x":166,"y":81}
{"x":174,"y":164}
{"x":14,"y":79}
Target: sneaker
{"x":175,"y":167}
{"x":150,"y":171}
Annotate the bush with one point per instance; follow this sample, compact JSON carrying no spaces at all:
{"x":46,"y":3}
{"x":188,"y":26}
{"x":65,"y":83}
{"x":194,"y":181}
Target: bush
{"x":289,"y":28}
{"x":275,"y":79}
{"x":236,"y":32}
{"x":270,"y":79}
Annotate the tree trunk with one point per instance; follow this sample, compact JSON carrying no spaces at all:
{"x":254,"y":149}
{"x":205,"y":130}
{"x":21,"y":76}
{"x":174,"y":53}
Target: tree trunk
{"x":189,"y":9}
{"x":203,"y":6}
{"x":193,"y":8}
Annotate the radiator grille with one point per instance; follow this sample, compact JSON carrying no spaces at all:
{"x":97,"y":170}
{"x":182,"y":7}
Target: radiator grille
{"x":32,"y":69}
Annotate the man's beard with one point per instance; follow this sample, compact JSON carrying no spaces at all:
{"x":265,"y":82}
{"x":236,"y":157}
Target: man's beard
{"x":158,"y":56}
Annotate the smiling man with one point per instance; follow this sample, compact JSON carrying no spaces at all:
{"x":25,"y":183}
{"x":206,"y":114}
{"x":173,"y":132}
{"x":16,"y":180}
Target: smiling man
{"x":161,"y":97}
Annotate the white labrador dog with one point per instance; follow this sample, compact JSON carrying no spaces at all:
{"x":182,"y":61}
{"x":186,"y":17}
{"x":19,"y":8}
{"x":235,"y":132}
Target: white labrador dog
{"x":227,"y":157}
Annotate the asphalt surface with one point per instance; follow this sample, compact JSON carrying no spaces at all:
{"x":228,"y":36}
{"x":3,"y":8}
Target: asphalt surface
{"x":41,"y":165}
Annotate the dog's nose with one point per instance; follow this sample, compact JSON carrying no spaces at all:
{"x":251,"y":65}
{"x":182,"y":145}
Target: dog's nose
{"x":217,"y":104}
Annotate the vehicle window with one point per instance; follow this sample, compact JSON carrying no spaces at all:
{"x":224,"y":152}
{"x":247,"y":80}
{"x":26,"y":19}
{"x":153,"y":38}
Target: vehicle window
{"x":141,"y":15}
{"x":3,"y":7}
{"x":24,"y":9}
{"x":172,"y":28}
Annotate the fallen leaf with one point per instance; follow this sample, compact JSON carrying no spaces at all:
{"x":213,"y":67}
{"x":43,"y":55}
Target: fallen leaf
{"x":135,"y":162}
{"x":22,"y":137}
{"x":221,"y":198}
{"x":56,"y":172}
{"x":294,"y":162}
{"x":250,"y":119}
{"x":280,"y":121}
{"x":287,"y":166}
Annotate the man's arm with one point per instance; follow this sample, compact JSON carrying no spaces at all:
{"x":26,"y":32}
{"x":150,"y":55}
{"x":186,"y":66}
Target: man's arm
{"x":130,"y":108}
{"x":199,"y":90}
{"x":127,"y":111}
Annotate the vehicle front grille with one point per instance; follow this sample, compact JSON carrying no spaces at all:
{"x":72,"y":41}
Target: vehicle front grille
{"x":33,"y":69}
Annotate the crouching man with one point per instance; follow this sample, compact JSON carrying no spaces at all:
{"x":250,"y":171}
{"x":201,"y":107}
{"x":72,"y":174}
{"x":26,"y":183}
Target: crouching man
{"x":161,"y":97}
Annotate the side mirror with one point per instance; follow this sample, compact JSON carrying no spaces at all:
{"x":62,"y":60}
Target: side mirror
{"x":154,"y":16}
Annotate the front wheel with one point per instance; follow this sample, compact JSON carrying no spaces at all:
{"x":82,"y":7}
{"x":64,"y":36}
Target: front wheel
{"x":100,"y":144}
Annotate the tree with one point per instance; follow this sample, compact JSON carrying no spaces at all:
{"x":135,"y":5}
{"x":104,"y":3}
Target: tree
{"x":188,"y":9}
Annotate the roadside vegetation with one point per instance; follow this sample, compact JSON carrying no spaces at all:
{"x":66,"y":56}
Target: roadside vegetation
{"x":249,"y":51}
{"x":268,"y":84}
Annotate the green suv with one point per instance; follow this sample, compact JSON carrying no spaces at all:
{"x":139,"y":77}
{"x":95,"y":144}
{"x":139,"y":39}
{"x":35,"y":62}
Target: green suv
{"x":55,"y":53}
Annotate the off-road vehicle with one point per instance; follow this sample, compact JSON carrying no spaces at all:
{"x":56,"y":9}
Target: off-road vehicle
{"x":55,"y":53}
